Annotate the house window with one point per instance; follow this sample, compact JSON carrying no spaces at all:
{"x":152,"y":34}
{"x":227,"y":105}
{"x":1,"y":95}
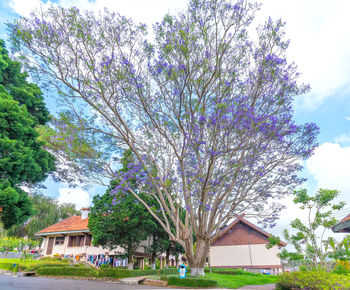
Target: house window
{"x":59,"y":241}
{"x":76,"y":241}
{"x":88,"y":239}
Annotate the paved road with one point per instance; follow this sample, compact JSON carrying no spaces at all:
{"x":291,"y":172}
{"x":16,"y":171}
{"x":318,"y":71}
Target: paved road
{"x":8,"y":282}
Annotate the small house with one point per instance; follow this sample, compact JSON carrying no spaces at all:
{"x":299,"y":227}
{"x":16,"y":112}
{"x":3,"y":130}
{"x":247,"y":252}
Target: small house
{"x":243,"y":245}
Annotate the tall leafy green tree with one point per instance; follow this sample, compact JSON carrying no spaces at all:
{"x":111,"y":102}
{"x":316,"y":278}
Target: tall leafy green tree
{"x":118,"y":219}
{"x":23,"y":160}
{"x":16,"y":84}
{"x":122,"y":224}
{"x":46,"y":212}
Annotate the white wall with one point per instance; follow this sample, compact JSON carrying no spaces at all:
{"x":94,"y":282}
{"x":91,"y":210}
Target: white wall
{"x":88,"y":250}
{"x":243,"y":255}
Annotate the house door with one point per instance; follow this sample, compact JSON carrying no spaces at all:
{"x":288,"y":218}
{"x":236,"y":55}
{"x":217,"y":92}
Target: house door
{"x":50,"y":246}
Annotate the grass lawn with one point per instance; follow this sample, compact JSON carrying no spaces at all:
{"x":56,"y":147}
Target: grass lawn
{"x":22,"y":262}
{"x":27,"y":263}
{"x":236,"y":281}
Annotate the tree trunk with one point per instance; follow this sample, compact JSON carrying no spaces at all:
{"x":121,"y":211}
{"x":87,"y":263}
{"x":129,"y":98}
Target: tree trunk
{"x":167,"y":254}
{"x":130,"y":261}
{"x":153,"y":261}
{"x":196,"y":261}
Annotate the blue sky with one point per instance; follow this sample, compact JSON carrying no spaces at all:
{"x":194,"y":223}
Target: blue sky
{"x":320,"y":46}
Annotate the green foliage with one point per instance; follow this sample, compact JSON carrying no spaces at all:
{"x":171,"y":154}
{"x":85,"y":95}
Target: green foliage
{"x":273,"y":241}
{"x":236,"y":281}
{"x":230,"y":272}
{"x":45,"y":265}
{"x":91,"y":272}
{"x":118,"y":225}
{"x":16,"y":84}
{"x":66,"y":271}
{"x":21,"y":244}
{"x":321,"y":208}
{"x":168,"y":271}
{"x":312,"y":280}
{"x":189,"y":282}
{"x":22,"y":157}
{"x":47,"y":212}
{"x":342,"y":267}
{"x":120,"y":273}
{"x":289,"y":257}
{"x":121,"y":220}
{"x":7,"y":244}
{"x":54,"y":259}
{"x":7,"y":266}
{"x":15,"y":203}
{"x":339,"y":250}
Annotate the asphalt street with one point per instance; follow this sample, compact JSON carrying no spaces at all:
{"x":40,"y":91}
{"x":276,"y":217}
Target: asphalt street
{"x":8,"y":282}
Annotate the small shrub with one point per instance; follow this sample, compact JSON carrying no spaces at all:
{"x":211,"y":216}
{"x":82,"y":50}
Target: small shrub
{"x":312,"y":280}
{"x":168,"y":271}
{"x":121,"y":273}
{"x":189,"y":282}
{"x":303,"y":268}
{"x":66,"y":271}
{"x":342,"y":267}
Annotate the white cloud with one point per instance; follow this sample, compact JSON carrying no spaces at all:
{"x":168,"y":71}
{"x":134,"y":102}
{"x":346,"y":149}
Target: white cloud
{"x":343,"y":138}
{"x":330,"y":166}
{"x":320,"y":38}
{"x":147,"y":12}
{"x":77,"y":196}
{"x":320,"y":43}
{"x":347,"y":118}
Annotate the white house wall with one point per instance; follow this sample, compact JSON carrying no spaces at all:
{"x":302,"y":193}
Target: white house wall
{"x":88,"y":250}
{"x":244,"y":256}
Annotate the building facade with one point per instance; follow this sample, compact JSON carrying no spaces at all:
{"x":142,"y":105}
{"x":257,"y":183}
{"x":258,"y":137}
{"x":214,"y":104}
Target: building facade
{"x":243,"y":245}
{"x":71,"y":238}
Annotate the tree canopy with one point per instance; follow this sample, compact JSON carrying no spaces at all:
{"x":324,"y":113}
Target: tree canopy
{"x":46,"y":212}
{"x":205,"y":108}
{"x":120,"y":220}
{"x":23,"y":160}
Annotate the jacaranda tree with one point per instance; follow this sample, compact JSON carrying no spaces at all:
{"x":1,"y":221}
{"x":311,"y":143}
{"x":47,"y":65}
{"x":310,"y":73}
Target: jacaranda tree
{"x":204,"y":106}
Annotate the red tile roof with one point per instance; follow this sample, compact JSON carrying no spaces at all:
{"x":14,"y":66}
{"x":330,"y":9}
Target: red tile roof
{"x":73,"y":223}
{"x":244,"y":221}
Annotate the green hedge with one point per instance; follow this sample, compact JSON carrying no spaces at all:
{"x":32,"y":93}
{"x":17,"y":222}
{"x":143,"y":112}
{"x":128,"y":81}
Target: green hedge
{"x":312,"y":280}
{"x":91,"y":272}
{"x":121,"y":273}
{"x":168,"y":271}
{"x":230,"y":271}
{"x":189,"y":282}
{"x":66,"y":271}
{"x":45,"y":265}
